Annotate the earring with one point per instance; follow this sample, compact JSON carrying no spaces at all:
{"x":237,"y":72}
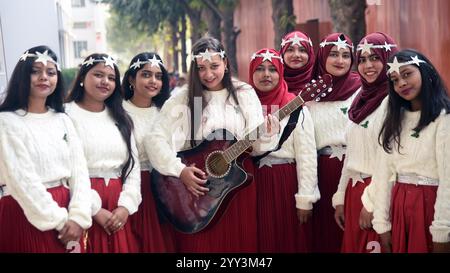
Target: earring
{"x":226,"y":69}
{"x":81,"y":84}
{"x":131,"y":87}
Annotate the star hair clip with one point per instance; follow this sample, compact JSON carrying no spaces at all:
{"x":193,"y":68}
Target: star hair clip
{"x":365,"y":47}
{"x":207,"y":55}
{"x":153,"y":62}
{"x":339,"y":43}
{"x":395,"y":65}
{"x":109,"y":61}
{"x":295,"y":41}
{"x":40,"y":58}
{"x":267,"y":56}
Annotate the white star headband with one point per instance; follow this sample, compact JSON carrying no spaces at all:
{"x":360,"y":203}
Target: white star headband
{"x":395,"y":65}
{"x":267,"y":56}
{"x":41,"y":58}
{"x":295,"y":41}
{"x":207,"y":55}
{"x":365,"y":47}
{"x":107,"y":60}
{"x":153,"y":62}
{"x":339,"y":43}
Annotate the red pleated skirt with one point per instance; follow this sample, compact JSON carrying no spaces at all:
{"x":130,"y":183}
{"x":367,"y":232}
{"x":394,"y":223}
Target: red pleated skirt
{"x":98,"y":241}
{"x":278,"y":226}
{"x":236,"y":231}
{"x":412,"y":213}
{"x":19,"y":235}
{"x":357,"y":240}
{"x":327,"y":234}
{"x":152,"y":236}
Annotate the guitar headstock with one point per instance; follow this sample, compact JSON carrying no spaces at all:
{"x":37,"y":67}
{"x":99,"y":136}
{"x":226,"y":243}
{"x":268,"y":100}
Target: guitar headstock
{"x":317,"y":89}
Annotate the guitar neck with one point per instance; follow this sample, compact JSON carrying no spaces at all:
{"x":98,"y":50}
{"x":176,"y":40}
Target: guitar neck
{"x":238,"y":148}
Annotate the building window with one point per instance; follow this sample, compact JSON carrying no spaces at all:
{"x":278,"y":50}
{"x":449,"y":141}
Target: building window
{"x":78,"y":3}
{"x":80,"y":25}
{"x":79,"y":48}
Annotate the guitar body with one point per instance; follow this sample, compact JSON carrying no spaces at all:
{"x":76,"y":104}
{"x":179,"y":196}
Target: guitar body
{"x":179,"y":206}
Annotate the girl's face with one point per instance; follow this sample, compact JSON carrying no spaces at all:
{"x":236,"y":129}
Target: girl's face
{"x":43,"y":80}
{"x":408,"y":83}
{"x":211,"y":73}
{"x":99,"y":83}
{"x":266,"y":77}
{"x":338,"y":61}
{"x":370,"y":66}
{"x":296,"y":56}
{"x":148,"y":82}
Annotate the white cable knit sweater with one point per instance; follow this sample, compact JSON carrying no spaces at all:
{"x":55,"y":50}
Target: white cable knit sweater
{"x":426,"y":155}
{"x":362,"y":143}
{"x":330,"y":120}
{"x":106,"y":150}
{"x":40,"y":148}
{"x":171,"y":131}
{"x":301,"y":146}
{"x":143,"y":119}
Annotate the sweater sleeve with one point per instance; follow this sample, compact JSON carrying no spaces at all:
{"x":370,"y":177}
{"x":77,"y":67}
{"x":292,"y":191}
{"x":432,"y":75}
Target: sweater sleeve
{"x":79,"y":183}
{"x":17,"y":171}
{"x":159,"y":143}
{"x":131,"y":197}
{"x":440,"y":227}
{"x":383,"y":180}
{"x":306,"y":162}
{"x":339,"y":196}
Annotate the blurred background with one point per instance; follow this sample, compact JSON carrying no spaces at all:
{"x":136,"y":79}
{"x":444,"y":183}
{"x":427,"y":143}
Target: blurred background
{"x":123,"y":28}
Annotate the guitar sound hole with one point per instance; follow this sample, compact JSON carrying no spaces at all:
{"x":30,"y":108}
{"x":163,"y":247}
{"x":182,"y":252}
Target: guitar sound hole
{"x":216,"y":165}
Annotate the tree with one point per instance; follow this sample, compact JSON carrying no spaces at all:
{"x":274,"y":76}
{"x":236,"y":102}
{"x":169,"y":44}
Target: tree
{"x":283,"y":19}
{"x":224,"y":9}
{"x":349,"y":17}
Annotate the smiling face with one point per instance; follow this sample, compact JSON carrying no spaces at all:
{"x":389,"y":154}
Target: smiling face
{"x":148,"y":82}
{"x":338,"y":61}
{"x":266,"y":77}
{"x":43,"y":80}
{"x":408,"y":84}
{"x":370,"y":66}
{"x":211,"y":73}
{"x":99,"y":83}
{"x":295,"y":56}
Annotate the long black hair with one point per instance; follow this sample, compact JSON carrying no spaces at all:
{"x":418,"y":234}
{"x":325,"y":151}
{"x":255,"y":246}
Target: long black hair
{"x":195,"y":85}
{"x":128,"y":92}
{"x":433,"y":97}
{"x":113,"y":103}
{"x":19,"y":87}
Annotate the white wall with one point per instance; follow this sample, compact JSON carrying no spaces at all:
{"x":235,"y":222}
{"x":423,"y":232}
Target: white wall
{"x":25,"y":24}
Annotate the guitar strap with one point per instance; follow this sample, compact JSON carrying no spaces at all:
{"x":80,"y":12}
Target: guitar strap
{"x":292,"y":123}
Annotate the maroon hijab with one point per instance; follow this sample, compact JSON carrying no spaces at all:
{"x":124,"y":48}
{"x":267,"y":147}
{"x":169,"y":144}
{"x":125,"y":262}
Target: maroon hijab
{"x":345,"y":85}
{"x":372,"y":94}
{"x":279,"y":95}
{"x":297,"y":78}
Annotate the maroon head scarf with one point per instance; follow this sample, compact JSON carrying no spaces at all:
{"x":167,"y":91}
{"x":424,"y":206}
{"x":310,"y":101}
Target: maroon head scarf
{"x":297,"y":78}
{"x":345,"y":85}
{"x":372,"y":94}
{"x":279,"y":96}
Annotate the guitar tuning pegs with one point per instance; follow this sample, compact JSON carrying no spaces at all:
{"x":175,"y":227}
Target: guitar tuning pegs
{"x":330,"y":89}
{"x":318,"y":91}
{"x":314,"y":85}
{"x":324,"y":86}
{"x":313,"y":81}
{"x":321,"y":81}
{"x":323,"y":95}
{"x":312,"y":95}
{"x":317,"y":99}
{"x":308,"y":89}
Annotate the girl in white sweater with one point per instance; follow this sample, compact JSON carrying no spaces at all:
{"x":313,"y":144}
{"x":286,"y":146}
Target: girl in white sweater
{"x":145,"y":87}
{"x":95,"y":106}
{"x":412,"y":181}
{"x":44,"y":183}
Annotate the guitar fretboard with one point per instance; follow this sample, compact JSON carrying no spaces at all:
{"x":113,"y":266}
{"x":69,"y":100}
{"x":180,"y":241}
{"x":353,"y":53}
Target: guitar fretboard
{"x":238,"y":148}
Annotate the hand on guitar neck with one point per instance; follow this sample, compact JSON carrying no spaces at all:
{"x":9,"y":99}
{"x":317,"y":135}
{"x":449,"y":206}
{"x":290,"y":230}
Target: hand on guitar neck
{"x":193,"y":178}
{"x":271,"y":125}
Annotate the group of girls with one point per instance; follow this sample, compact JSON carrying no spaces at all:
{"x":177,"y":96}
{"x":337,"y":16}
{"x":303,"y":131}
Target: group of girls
{"x":361,"y":168}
